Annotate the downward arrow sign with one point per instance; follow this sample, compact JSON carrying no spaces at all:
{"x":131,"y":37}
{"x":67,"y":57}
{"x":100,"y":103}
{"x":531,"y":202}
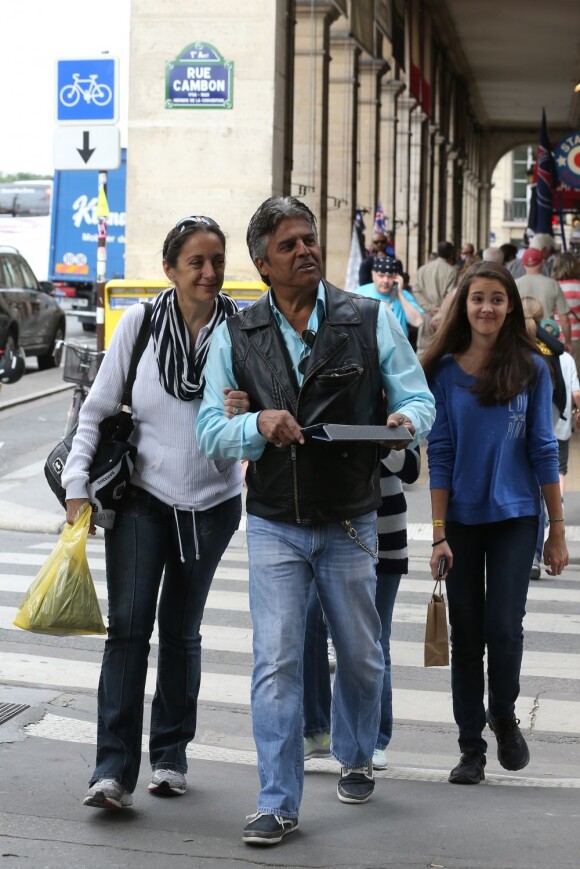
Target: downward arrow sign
{"x":86,"y":152}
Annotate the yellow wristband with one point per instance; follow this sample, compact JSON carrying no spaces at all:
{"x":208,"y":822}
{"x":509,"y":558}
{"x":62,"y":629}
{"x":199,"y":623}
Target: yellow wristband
{"x":438,"y":523}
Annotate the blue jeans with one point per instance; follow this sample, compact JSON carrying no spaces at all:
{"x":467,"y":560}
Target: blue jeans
{"x":142,"y":544}
{"x":317,"y":693}
{"x":283,"y":560}
{"x":487,"y":588}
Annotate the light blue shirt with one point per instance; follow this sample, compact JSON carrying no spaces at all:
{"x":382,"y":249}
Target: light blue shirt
{"x":369,"y":291}
{"x":238,"y":438}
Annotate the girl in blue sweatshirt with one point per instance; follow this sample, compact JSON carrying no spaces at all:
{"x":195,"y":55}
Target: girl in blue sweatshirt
{"x":490,"y":450}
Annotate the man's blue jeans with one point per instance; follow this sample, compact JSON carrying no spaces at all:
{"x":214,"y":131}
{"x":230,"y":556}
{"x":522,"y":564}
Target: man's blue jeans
{"x":487,"y":588}
{"x":142,"y":544}
{"x":284,"y":559}
{"x":317,"y":692}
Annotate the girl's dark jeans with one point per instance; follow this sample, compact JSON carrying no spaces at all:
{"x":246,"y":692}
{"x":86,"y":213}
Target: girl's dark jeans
{"x":487,"y":589}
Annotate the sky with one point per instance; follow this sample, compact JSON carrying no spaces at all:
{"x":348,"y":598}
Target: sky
{"x":35,"y":34}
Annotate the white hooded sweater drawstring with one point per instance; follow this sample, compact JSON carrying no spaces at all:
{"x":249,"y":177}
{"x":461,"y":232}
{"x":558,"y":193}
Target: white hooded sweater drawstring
{"x":195,"y":535}
{"x":181,"y":555}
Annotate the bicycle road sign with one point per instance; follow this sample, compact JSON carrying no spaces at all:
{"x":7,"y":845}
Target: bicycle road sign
{"x":87,"y":91}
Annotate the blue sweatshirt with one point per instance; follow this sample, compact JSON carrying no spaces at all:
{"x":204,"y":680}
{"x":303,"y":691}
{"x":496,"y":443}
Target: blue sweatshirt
{"x":491,"y":459}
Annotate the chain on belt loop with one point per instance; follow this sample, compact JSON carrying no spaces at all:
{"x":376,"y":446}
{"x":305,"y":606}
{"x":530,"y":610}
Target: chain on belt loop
{"x":353,"y":534}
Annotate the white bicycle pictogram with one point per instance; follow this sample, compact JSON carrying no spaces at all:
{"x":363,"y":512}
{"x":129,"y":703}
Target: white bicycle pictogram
{"x":92,"y":92}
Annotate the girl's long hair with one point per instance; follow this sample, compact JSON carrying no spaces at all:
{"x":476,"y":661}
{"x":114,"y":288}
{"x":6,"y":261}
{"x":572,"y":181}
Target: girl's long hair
{"x":511,"y":366}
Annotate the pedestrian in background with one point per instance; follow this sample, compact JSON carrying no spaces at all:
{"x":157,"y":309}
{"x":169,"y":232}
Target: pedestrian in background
{"x":553,"y":352}
{"x":387,"y":286}
{"x":566,"y":271}
{"x":546,"y":290}
{"x":397,"y":467}
{"x":434,"y":280}
{"x":175,"y":520}
{"x":566,"y":398}
{"x":490,"y":450}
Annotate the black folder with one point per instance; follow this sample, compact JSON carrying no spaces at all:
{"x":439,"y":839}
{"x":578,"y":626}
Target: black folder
{"x":377,"y":433}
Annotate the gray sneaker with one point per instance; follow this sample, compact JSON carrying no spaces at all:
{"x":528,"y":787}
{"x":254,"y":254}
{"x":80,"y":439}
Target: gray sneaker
{"x":167,"y":783}
{"x":317,"y":745}
{"x":108,"y":793}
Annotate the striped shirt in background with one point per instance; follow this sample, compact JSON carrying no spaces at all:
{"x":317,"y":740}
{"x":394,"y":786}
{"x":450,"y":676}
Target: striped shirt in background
{"x":397,"y":467}
{"x":571,"y":290}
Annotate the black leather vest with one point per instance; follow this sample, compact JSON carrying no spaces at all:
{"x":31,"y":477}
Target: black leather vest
{"x":316,"y":482}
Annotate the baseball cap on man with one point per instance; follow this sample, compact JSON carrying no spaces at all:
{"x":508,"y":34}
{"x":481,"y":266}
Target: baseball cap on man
{"x":532,"y":257}
{"x":385,"y":265}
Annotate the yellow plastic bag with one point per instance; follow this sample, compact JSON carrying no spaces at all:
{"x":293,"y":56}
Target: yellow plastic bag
{"x":62,"y":599}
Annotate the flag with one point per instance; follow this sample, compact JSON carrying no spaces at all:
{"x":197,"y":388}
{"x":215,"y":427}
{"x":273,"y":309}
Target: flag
{"x":379,"y":224}
{"x":357,"y":252}
{"x":546,"y":182}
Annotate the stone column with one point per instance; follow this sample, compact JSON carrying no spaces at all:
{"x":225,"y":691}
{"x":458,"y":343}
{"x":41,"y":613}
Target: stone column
{"x":390,"y":92}
{"x":405,"y":106}
{"x":311,"y":83}
{"x":417,"y":190}
{"x":370,"y":73}
{"x":484,"y":214}
{"x":342,"y":151}
{"x":451,"y":156}
{"x":431,"y":216}
{"x":438,"y":192}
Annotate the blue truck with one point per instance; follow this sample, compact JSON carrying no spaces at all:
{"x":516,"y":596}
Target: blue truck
{"x":73,"y":237}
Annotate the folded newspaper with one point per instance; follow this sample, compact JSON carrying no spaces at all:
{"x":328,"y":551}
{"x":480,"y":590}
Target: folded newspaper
{"x":377,"y":433}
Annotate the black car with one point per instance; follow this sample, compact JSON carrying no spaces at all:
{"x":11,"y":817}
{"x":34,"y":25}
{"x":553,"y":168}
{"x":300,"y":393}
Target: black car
{"x":29,"y":316}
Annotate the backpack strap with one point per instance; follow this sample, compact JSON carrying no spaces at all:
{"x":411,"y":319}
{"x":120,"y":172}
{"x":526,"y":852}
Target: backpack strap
{"x":141,"y":342}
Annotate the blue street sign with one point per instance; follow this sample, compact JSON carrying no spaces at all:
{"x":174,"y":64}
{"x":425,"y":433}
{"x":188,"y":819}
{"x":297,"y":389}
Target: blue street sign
{"x":87,"y":91}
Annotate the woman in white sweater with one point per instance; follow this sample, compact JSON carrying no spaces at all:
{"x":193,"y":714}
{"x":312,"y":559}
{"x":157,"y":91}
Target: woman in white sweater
{"x":175,"y":521}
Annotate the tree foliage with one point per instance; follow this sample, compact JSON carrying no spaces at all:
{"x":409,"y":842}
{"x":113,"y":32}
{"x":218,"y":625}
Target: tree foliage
{"x":6,"y":178}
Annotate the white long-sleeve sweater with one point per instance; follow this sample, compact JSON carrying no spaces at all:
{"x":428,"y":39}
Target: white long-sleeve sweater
{"x":169,"y":463}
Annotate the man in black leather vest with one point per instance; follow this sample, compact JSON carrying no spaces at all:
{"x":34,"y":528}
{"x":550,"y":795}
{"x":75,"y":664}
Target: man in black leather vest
{"x":307,"y":353}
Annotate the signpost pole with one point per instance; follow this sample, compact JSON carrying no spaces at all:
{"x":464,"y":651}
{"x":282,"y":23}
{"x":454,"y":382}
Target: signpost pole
{"x":102,"y":215}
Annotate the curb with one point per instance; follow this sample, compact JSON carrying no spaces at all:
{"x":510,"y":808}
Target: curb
{"x":33,"y":396}
{"x":14,"y":517}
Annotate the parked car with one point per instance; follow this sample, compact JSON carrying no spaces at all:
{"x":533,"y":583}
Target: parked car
{"x":30,"y":318}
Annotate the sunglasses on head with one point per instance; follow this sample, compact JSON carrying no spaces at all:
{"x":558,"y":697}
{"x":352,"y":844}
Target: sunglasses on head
{"x":193,"y":221}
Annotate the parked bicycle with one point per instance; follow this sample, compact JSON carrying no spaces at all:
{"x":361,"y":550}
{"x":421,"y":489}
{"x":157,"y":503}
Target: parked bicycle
{"x":80,"y":366}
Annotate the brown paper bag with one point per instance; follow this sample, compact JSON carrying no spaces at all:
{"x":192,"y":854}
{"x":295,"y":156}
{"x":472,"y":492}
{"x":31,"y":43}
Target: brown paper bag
{"x":436,"y":638}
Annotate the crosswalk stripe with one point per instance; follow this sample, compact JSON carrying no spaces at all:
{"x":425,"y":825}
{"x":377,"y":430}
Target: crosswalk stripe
{"x":234,"y":601}
{"x":542,"y":593}
{"x":97,"y":547}
{"x":561,"y":716}
{"x":56,"y":727}
{"x":222,"y":638}
{"x":564,"y":623}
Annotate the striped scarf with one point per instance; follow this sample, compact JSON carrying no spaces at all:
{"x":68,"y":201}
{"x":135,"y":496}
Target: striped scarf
{"x":180,"y":367}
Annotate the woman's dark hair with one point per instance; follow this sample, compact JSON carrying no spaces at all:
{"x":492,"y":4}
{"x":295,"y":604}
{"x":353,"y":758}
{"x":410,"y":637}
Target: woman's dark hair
{"x":187,"y":227}
{"x":511,"y":367}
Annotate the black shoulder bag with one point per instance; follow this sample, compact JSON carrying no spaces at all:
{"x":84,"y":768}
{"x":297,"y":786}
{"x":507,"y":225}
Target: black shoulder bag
{"x":114,"y":458}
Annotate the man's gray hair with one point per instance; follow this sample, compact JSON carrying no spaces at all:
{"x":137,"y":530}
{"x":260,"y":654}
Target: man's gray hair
{"x":492,"y":255}
{"x":542,"y":240}
{"x":265,"y":221}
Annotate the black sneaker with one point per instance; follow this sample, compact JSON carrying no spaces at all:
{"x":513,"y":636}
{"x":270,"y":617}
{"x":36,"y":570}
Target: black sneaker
{"x":512,"y":749}
{"x":469,"y":770}
{"x":355,"y":785}
{"x":263,"y":829}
